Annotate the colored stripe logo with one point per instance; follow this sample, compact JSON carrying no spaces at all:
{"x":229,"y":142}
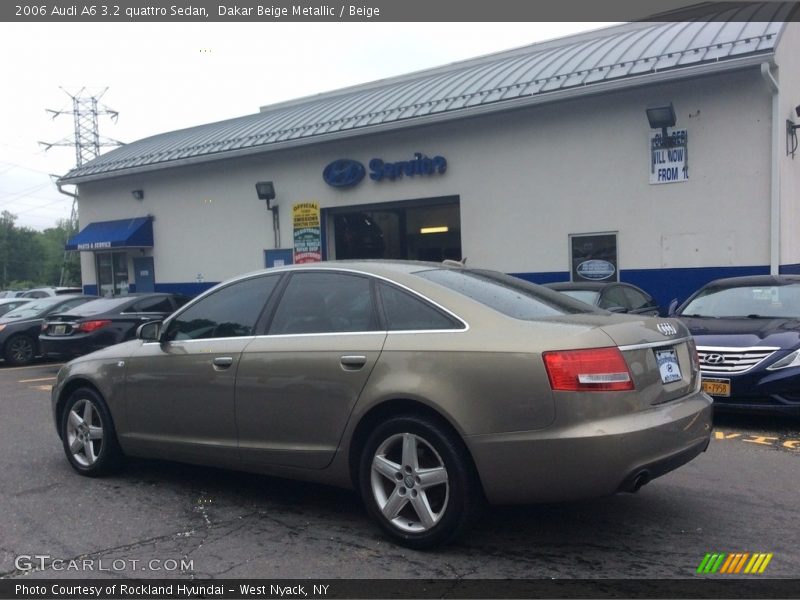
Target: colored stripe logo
{"x":735,"y":563}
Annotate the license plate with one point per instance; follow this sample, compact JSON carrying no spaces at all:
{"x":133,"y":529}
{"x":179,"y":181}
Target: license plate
{"x":59,"y":329}
{"x":668,"y":365}
{"x":717,"y":387}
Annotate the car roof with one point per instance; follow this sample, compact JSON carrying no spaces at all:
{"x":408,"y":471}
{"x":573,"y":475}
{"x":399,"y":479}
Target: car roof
{"x":755,"y":280}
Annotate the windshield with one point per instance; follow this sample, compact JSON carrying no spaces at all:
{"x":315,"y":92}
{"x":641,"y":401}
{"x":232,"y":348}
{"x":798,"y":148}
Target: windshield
{"x":95,"y":307}
{"x":509,"y":295}
{"x":770,"y":301}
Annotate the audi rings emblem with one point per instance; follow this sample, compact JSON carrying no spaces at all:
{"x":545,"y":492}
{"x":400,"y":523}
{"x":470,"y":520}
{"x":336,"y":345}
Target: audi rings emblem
{"x":666,"y":329}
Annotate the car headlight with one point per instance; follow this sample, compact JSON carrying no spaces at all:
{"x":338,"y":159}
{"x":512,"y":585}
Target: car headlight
{"x":792,"y":360}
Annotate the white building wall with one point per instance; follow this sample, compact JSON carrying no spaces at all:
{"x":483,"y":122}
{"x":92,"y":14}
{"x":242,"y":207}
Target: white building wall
{"x":526,"y":179}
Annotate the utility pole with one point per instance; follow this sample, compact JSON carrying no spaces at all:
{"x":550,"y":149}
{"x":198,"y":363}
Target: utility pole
{"x":87,"y":142}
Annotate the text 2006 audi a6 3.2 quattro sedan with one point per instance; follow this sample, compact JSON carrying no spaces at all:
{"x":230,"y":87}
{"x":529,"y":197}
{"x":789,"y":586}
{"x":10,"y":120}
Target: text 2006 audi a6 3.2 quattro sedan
{"x":428,"y":388}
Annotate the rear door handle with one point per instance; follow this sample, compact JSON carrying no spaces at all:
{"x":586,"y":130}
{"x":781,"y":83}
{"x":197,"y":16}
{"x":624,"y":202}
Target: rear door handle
{"x":353,"y":361}
{"x":223,"y":362}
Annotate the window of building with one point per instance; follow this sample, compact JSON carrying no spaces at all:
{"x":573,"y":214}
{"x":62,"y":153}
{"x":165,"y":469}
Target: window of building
{"x":593,"y":257}
{"x":411,"y":230}
{"x":112,"y":273}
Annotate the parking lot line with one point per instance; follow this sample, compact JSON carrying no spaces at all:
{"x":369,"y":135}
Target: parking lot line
{"x":35,"y":380}
{"x":29,"y":367}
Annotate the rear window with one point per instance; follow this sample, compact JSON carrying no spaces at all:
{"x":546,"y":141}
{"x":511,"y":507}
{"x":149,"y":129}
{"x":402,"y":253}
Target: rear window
{"x":102,"y":305}
{"x":508,"y":295}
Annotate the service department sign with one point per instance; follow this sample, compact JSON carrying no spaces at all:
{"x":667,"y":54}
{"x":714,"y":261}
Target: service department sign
{"x":346,"y":172}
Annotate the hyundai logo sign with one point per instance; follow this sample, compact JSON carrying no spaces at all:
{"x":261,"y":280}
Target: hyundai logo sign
{"x":344,"y":172}
{"x":596,"y":269}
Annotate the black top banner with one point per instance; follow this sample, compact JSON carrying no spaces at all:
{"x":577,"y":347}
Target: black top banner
{"x":387,"y":10}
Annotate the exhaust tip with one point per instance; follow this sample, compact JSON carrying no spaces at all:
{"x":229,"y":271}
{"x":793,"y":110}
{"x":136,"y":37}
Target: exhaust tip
{"x":637,"y":481}
{"x":642,"y":478}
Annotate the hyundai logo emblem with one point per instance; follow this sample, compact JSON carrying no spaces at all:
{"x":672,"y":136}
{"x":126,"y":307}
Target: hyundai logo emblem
{"x":344,"y":172}
{"x":666,"y":328}
{"x":714,"y":359}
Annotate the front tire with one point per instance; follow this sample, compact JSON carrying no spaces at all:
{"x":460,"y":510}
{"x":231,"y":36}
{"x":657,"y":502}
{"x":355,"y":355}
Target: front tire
{"x":88,"y":436}
{"x":417,"y":482}
{"x":20,"y":350}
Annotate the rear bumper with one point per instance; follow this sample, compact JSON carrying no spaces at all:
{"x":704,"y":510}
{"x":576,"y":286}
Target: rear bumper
{"x":65,"y":348}
{"x":598,"y":458}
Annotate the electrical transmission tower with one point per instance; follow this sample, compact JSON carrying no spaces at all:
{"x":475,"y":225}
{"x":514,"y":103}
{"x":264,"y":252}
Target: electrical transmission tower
{"x":86,"y":109}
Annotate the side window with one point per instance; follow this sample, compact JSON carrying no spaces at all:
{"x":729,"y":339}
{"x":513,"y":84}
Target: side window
{"x":229,"y":312}
{"x":160,"y":304}
{"x":613,"y":296}
{"x":636,"y":299}
{"x":405,"y":312}
{"x":325,"y":303}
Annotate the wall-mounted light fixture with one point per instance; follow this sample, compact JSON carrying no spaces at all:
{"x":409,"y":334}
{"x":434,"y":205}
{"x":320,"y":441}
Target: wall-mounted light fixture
{"x":661,"y":117}
{"x":791,"y":134}
{"x":138,"y":194}
{"x":266,"y":191}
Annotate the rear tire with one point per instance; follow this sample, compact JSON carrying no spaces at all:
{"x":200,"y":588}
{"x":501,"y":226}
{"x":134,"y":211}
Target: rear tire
{"x":88,"y":436}
{"x":20,"y":350}
{"x":417,"y":482}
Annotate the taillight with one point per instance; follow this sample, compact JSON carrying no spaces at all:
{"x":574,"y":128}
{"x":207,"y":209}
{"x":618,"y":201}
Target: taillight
{"x":89,"y":326}
{"x":595,"y":369}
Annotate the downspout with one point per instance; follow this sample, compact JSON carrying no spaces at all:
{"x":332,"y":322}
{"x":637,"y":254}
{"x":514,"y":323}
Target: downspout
{"x":775,"y":192}
{"x":66,"y":252}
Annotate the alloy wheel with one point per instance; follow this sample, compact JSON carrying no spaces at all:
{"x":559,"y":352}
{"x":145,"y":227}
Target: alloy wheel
{"x":84,"y":432}
{"x":409,"y":483}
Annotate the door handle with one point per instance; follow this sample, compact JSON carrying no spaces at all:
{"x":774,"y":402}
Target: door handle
{"x":353,"y":361}
{"x":223,"y":362}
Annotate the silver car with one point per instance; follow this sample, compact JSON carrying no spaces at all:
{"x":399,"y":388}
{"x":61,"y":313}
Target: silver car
{"x":428,"y":388}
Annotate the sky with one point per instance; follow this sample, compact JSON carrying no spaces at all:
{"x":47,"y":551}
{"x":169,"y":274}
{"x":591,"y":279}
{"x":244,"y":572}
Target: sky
{"x":165,"y":76}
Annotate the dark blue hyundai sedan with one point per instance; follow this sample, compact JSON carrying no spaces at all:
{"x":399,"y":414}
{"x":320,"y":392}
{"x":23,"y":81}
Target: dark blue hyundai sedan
{"x":747,"y":331}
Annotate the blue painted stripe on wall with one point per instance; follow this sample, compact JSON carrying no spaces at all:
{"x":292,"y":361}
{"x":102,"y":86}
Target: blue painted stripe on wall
{"x":662,"y":284}
{"x":790,"y":269}
{"x":666,"y":284}
{"x":90,"y":290}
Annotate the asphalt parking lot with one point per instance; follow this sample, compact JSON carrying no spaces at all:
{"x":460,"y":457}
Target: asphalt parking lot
{"x":164,"y":520}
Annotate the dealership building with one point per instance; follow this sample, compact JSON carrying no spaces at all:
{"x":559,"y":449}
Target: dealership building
{"x":661,"y":154}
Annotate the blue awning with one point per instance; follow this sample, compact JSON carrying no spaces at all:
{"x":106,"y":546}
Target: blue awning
{"x":125,"y":233}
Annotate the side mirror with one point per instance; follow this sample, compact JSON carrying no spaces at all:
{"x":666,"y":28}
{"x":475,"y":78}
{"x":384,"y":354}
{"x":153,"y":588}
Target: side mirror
{"x":149,"y":332}
{"x":673,"y":306}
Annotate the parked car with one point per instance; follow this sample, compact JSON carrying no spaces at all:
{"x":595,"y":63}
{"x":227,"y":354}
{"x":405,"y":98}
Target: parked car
{"x":613,"y":296}
{"x":102,"y":322}
{"x":19,"y":328}
{"x":422,"y":386}
{"x":46,"y":292}
{"x":9,"y":304}
{"x":748,"y":338}
{"x":10,"y":293}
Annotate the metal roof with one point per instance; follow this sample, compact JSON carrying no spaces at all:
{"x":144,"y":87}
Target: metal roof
{"x":616,"y":57}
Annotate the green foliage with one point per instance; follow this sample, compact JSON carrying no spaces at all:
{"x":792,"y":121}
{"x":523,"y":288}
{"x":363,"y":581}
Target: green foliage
{"x":30,"y":258}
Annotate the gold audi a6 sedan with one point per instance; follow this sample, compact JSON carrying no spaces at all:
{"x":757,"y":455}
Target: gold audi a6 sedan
{"x":426,"y":387}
